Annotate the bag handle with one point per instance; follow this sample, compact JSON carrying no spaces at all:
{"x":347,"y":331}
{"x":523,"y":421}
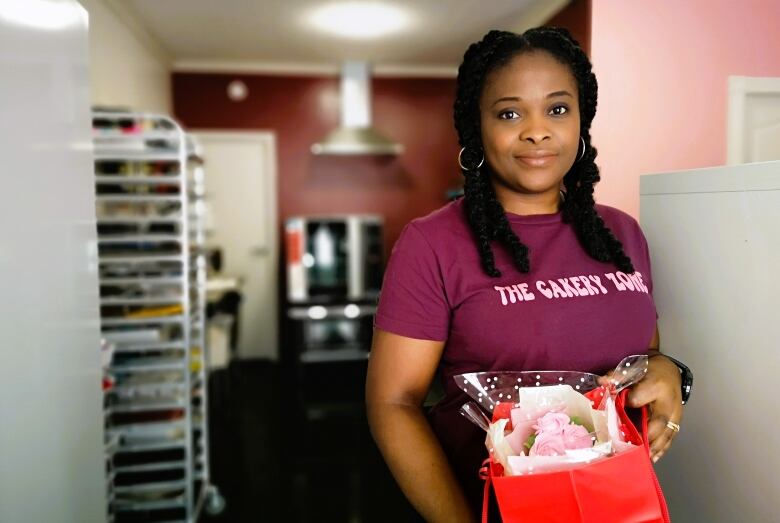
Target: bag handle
{"x":646,"y":445}
{"x":484,"y":474}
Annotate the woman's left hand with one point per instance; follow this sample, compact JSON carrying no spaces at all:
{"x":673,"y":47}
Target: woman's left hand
{"x":660,"y":391}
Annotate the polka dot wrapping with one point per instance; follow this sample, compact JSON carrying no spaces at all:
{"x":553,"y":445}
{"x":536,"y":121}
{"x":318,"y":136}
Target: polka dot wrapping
{"x":497,"y":392}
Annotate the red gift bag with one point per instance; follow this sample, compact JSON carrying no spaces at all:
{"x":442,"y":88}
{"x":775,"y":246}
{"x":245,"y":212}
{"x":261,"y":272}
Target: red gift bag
{"x":619,"y":489}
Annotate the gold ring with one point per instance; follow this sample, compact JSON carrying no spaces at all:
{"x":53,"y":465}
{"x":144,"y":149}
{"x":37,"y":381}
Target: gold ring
{"x":672,"y":425}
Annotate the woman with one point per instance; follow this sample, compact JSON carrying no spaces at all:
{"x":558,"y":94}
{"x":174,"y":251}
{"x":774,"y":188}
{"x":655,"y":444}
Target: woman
{"x":525,"y":272}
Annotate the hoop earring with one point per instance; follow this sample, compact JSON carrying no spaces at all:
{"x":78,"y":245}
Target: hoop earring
{"x":583,"y":149}
{"x":460,"y":161}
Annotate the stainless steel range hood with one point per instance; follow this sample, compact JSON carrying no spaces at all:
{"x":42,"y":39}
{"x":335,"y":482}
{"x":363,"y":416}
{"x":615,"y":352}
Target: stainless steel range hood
{"x":355,"y":136}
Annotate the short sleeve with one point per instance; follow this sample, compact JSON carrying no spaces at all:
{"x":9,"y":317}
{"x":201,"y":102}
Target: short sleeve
{"x":413,"y":301}
{"x":646,"y":278}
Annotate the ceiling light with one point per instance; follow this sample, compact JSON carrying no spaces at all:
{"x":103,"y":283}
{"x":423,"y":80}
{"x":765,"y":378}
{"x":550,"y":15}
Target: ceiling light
{"x":42,"y":14}
{"x":359,"y":20}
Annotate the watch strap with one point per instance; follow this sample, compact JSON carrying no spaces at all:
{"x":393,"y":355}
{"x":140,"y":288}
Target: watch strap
{"x":686,"y":376}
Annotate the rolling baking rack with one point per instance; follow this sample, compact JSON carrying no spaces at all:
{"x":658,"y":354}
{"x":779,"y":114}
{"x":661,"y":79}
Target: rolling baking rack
{"x":152,"y":271}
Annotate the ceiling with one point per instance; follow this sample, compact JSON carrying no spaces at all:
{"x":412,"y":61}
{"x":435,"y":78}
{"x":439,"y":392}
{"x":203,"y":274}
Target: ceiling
{"x":274,"y":34}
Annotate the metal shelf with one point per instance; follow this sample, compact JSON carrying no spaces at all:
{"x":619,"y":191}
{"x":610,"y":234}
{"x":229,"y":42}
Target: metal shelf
{"x":125,"y":505}
{"x":120,"y":179}
{"x":155,"y":280}
{"x":98,"y":135}
{"x":139,"y":220}
{"x":153,"y":383}
{"x":131,"y":409}
{"x":159,"y":388}
{"x":149,"y":428}
{"x":155,"y":320}
{"x":151,"y":467}
{"x":108,"y":239}
{"x":139,"y":258}
{"x":137,"y":198}
{"x":151,"y":447}
{"x":150,"y":367}
{"x":143,"y":347}
{"x":140,"y":300}
{"x":150,"y":487}
{"x":129,"y":155}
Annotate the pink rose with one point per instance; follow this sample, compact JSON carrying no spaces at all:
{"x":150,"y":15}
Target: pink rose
{"x":576,"y":437}
{"x":552,"y":422}
{"x":548,"y":444}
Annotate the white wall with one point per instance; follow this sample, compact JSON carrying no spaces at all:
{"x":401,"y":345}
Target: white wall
{"x":128,"y":66}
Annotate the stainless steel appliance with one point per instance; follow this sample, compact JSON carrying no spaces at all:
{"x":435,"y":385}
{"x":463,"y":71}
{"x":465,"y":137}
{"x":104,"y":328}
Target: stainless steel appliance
{"x":332,"y":333}
{"x":333,"y":259}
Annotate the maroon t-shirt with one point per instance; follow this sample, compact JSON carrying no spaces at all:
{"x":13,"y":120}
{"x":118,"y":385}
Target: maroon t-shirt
{"x":570,"y":312}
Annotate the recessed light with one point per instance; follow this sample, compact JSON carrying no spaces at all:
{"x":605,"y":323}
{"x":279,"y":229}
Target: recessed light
{"x":359,"y":20}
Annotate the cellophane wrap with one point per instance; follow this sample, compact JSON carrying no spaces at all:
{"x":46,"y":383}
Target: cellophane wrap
{"x":544,"y":421}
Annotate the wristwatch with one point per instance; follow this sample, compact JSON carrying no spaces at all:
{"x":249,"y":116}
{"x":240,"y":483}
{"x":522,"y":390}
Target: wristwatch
{"x":686,"y":377}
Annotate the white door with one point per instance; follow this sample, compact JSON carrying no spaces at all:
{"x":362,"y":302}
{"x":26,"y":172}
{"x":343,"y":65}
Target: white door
{"x":753,"y":120}
{"x":241,"y":195}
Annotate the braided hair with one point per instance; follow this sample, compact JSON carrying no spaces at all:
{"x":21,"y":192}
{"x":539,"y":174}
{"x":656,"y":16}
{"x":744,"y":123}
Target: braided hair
{"x":485,"y":213}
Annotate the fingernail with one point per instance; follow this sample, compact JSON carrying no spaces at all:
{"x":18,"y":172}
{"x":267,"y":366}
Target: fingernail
{"x":655,"y":459}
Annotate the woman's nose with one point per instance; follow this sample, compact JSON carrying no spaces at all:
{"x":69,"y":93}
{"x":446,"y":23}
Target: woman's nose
{"x":535,"y":131}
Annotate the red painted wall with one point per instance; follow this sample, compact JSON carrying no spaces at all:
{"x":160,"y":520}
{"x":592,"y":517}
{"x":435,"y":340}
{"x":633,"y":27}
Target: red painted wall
{"x":301,"y":110}
{"x":576,"y":18}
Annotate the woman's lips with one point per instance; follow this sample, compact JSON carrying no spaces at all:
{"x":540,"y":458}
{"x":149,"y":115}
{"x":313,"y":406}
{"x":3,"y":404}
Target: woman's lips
{"x":537,"y":159}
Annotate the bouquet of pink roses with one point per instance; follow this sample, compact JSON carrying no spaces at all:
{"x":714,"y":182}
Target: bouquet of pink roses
{"x":555,"y":438}
{"x":556,"y":433}
{"x":547,"y":420}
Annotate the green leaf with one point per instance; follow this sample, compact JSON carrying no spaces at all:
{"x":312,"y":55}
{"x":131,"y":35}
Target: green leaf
{"x":577,"y":421}
{"x":530,"y":441}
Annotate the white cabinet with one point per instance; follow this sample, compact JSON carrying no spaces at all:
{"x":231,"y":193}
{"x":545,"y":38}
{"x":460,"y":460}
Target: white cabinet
{"x":51,"y":436}
{"x":714,"y":237}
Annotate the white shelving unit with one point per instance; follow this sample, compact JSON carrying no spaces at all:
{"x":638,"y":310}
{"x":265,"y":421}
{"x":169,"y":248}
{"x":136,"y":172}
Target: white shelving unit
{"x":152,"y":272}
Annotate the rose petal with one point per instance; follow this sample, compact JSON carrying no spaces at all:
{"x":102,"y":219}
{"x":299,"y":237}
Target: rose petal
{"x":548,"y":444}
{"x":576,"y":437}
{"x":552,"y":422}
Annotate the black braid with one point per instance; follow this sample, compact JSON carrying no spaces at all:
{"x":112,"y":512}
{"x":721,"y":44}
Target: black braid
{"x":484,"y":212}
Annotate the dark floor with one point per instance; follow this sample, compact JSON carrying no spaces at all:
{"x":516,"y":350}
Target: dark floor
{"x":273,"y":461}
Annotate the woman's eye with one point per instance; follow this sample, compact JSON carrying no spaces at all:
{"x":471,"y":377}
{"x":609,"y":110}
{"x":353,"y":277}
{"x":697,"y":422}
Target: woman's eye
{"x":559,"y":110}
{"x":507,"y":115}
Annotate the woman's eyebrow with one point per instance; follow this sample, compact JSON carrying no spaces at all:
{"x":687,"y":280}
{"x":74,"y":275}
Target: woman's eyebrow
{"x":518,"y":99}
